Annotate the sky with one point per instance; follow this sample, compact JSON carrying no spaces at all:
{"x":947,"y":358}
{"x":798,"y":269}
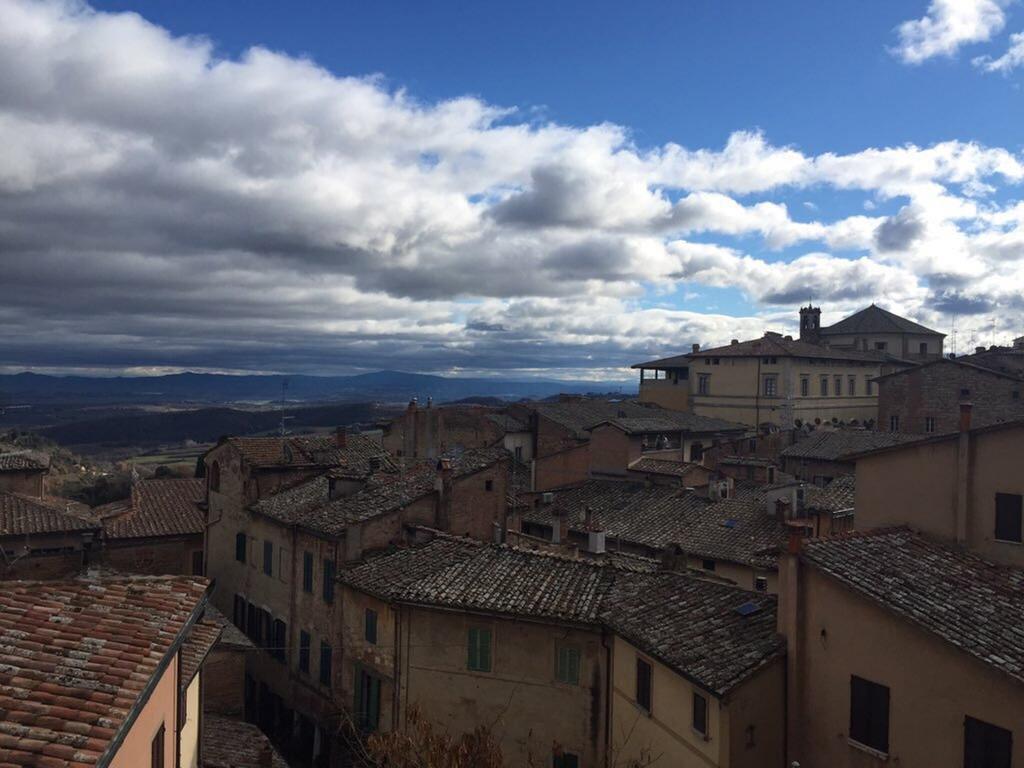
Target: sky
{"x":511,"y":189}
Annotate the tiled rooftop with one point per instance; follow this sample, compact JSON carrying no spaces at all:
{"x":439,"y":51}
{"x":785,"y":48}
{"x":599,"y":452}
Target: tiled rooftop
{"x":837,"y":496}
{"x":231,"y":743}
{"x":25,"y":515}
{"x":670,"y":421}
{"x":874,"y":319}
{"x":201,"y":639}
{"x":230,"y":635}
{"x":14,"y":459}
{"x":960,"y":598}
{"x":579,"y":415}
{"x":314,"y":451}
{"x":688,"y":623}
{"x":737,"y":530}
{"x":661,"y":466}
{"x":75,"y":657}
{"x":158,"y":507}
{"x":832,"y":445}
{"x":775,"y":345}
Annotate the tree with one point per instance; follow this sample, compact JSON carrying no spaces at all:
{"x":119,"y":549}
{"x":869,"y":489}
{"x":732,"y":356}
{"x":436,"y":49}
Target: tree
{"x":421,"y":745}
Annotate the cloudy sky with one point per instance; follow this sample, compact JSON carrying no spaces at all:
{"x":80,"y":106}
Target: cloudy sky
{"x":508,"y":189}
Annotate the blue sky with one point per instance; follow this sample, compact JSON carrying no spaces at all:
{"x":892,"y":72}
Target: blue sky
{"x":529,"y":188}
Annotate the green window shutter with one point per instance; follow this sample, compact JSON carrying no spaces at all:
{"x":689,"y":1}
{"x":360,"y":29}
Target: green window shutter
{"x":479,"y":656}
{"x":574,"y":666}
{"x":485,"y":650}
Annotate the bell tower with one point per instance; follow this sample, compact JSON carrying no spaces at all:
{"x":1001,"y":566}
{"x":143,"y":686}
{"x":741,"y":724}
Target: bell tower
{"x":810,"y":324}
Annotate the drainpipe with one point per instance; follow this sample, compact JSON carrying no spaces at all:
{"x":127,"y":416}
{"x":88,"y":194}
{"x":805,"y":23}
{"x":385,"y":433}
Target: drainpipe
{"x":790,"y":611}
{"x":963,"y":474}
{"x":608,"y":644}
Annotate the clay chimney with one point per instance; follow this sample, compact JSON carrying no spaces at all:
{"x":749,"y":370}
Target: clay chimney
{"x":965,"y":417}
{"x":341,"y":437}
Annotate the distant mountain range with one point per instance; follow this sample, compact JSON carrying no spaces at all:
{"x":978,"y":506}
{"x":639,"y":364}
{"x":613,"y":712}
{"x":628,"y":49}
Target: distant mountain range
{"x":385,"y":386}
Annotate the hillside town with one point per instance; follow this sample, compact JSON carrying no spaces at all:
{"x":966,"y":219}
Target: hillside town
{"x":784,"y":552}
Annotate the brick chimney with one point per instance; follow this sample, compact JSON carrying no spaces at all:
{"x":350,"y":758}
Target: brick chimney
{"x":695,"y":348}
{"x":443,"y":486}
{"x":341,"y":437}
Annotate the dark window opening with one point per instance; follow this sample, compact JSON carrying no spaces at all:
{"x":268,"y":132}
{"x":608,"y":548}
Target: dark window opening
{"x":567,"y":664}
{"x":565,"y":760}
{"x":280,"y":644}
{"x":214,"y":480}
{"x":479,"y":656}
{"x":325,"y":664}
{"x":156,"y":749}
{"x":304,"y":644}
{"x":197,"y":562}
{"x":986,"y":745}
{"x":643,"y":684}
{"x":367,"y":701}
{"x":869,"y":714}
{"x":1008,"y":517}
{"x":307,"y":572}
{"x":708,"y":565}
{"x":700,"y":714}
{"x":371,"y":626}
{"x":240,"y":547}
{"x":240,"y":611}
{"x":268,"y":557}
{"x":488,"y":485}
{"x":328,"y":581}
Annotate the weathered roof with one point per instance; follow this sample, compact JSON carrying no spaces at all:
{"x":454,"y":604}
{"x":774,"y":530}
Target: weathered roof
{"x":579,"y":415}
{"x":232,"y":743}
{"x":75,"y":657}
{"x":737,"y":530}
{"x":665,"y":363}
{"x":661,"y":466}
{"x":315,"y":451}
{"x":200,"y":641}
{"x":775,"y":345}
{"x":829,"y":445}
{"x":660,"y":422}
{"x":838,"y":496}
{"x":230,"y":635}
{"x":999,"y":426}
{"x":158,"y":507}
{"x":982,"y":363}
{"x":25,"y":515}
{"x":874,"y":319}
{"x":508,"y":422}
{"x":973,"y":604}
{"x":689,"y":624}
{"x":696,"y":627}
{"x":15,"y":459}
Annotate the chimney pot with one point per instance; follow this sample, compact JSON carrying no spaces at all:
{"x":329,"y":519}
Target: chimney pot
{"x":965,"y":417}
{"x":734,"y":342}
{"x":978,"y":350}
{"x":696,"y":347}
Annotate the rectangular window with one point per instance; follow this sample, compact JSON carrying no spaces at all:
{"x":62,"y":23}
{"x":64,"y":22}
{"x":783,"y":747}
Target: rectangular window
{"x":268,"y":557}
{"x":307,"y":572}
{"x":240,"y":547}
{"x":965,"y":393}
{"x":156,"y":749}
{"x":280,"y":645}
{"x":479,"y":650}
{"x":929,"y":423}
{"x":986,"y":745}
{"x":239,"y":617}
{"x":824,"y":386}
{"x":704,"y":384}
{"x":197,"y":563}
{"x":894,"y":423}
{"x":565,"y":760}
{"x":643,"y":684}
{"x":370,"y":626}
{"x":771,"y":386}
{"x":869,"y":714}
{"x":1008,"y":517}
{"x":869,"y":385}
{"x":253,"y":623}
{"x":805,"y":386}
{"x":304,"y":643}
{"x":325,"y":664}
{"x":700,"y":714}
{"x":567,"y":664}
{"x":708,"y":565}
{"x":328,"y":581}
{"x":922,"y":348}
{"x":488,"y":485}
{"x":881,"y":345}
{"x":367,"y":700}
{"x":839,"y":386}
{"x":851,"y":386}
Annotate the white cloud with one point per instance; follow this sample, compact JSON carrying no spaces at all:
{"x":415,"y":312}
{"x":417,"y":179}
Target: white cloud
{"x":1013,"y":58}
{"x":947,"y":26}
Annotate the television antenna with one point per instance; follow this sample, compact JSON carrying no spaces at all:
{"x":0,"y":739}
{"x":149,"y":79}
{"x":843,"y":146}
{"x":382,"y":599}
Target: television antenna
{"x":284,"y":388}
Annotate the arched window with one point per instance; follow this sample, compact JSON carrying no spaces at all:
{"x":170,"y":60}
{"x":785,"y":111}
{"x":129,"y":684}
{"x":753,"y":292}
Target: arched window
{"x":215,"y":476}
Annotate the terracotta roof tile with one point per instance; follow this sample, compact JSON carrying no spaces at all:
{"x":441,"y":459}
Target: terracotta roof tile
{"x":832,"y":445}
{"x":874,"y":319}
{"x":231,"y":743}
{"x":201,"y":639}
{"x":158,"y":507}
{"x":311,"y":451}
{"x":15,"y":459}
{"x":969,"y":602}
{"x":776,"y":345}
{"x":24,"y":515}
{"x":76,"y":655}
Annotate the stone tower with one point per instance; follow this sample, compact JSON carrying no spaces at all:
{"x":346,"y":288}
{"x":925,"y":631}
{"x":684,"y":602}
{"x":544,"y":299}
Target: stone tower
{"x":810,"y":324}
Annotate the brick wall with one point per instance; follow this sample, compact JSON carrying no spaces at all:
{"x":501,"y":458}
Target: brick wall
{"x":224,"y":681}
{"x":157,"y":556}
{"x":563,"y":468}
{"x":27,"y":483}
{"x":935,"y":391}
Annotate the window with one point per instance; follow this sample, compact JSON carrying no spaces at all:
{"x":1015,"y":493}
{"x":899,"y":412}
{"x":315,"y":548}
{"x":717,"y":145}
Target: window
{"x":156,"y":749}
{"x":894,"y":423}
{"x":325,"y":664}
{"x":643,"y":684}
{"x":708,"y":565}
{"x":839,"y":386}
{"x":280,"y":644}
{"x":1015,"y":395}
{"x":700,"y":714}
{"x":704,"y":384}
{"x":197,"y":563}
{"x":240,"y":547}
{"x":370,"y":626}
{"x":367,"y":700}
{"x":761,"y":583}
{"x":869,"y":714}
{"x":328,"y":581}
{"x":304,"y":642}
{"x":488,"y":485}
{"x":715,"y":361}
{"x":922,"y":348}
{"x":869,"y":385}
{"x":851,"y":386}
{"x":519,"y":453}
{"x":565,"y":760}
{"x":567,"y":664}
{"x":824,"y":386}
{"x":254,"y":623}
{"x":881,"y":345}
{"x":805,"y":386}
{"x":214,"y":481}
{"x":479,"y":650}
{"x":268,"y":557}
{"x":929,"y":423}
{"x":771,"y":385}
{"x":986,"y":745}
{"x":1008,"y":517}
{"x":239,"y":616}
{"x":307,"y":572}
{"x":965,"y":393}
